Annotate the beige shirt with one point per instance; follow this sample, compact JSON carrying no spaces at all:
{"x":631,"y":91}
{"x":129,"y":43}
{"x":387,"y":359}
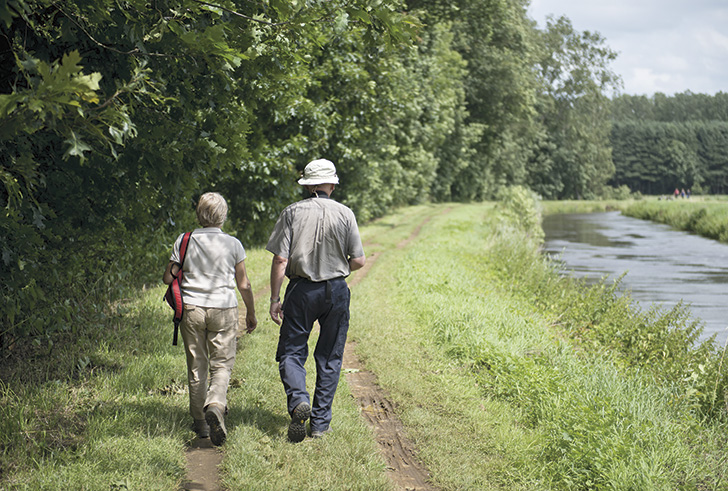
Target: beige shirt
{"x":317,"y":236}
{"x":209,"y":268}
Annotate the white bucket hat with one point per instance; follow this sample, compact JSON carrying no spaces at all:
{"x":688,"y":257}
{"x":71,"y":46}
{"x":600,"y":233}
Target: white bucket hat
{"x":319,"y":171}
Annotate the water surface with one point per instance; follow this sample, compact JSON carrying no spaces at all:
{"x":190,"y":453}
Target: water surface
{"x":663,"y":266}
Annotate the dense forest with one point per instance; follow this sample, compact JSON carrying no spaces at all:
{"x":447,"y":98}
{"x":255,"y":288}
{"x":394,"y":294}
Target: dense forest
{"x":663,"y":143}
{"x":115,"y":115}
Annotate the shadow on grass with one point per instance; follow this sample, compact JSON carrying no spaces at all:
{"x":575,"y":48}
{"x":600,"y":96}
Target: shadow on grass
{"x":266,"y":421}
{"x":143,"y":418}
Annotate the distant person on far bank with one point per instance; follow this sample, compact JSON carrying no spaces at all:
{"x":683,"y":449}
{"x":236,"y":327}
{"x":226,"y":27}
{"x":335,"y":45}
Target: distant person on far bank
{"x":316,"y":244}
{"x":213,"y":266}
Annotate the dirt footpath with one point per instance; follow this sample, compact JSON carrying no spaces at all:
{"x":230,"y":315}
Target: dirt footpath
{"x":203,"y":460}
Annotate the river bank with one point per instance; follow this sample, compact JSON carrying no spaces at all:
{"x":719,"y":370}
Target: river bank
{"x":536,"y":376}
{"x":504,"y":374}
{"x":707,"y":217}
{"x":656,"y":264}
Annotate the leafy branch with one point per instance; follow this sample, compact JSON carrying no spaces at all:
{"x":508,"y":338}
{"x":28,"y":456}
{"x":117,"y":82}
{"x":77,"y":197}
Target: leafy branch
{"x":238,"y":14}
{"x":102,"y":45}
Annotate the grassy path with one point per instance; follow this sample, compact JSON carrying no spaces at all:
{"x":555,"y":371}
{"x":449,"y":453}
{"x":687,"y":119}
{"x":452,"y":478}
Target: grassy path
{"x":203,"y":459}
{"x":442,"y":412}
{"x":403,"y":467}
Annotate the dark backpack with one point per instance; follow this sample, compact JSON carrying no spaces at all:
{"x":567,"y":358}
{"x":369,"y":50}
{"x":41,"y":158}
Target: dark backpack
{"x":174,"y":293}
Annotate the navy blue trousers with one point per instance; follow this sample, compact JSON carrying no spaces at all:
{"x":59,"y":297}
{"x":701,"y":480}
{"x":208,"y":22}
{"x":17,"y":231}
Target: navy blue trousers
{"x":306,"y":302}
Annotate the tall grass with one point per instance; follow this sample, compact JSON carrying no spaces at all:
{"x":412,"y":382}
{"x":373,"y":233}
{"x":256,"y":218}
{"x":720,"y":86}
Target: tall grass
{"x":565,"y":406}
{"x":584,"y":206}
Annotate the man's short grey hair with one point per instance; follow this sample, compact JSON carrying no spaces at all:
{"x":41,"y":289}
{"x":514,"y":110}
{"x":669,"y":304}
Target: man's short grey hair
{"x":212,"y":210}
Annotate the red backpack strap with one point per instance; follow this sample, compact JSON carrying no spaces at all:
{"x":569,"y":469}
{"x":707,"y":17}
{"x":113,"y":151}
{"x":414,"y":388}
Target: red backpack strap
{"x":183,"y":247}
{"x":174,"y":292}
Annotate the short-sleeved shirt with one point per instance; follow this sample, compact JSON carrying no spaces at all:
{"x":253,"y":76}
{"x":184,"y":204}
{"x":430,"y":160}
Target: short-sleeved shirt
{"x":317,"y":236}
{"x":209,"y":268}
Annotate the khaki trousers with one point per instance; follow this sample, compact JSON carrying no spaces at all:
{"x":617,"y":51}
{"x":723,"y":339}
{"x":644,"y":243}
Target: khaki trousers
{"x":210,"y":341}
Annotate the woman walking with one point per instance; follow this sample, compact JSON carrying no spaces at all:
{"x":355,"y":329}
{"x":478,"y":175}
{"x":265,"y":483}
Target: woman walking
{"x":213,"y":266}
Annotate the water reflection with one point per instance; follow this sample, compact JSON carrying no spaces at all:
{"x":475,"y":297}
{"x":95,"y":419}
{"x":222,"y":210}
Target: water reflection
{"x":663,"y":266}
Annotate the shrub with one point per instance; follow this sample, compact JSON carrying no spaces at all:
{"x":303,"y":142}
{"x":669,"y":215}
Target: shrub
{"x":522,"y":207}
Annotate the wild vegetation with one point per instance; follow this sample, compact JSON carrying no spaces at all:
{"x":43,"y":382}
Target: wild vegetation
{"x":505,"y":374}
{"x":549,"y":384}
{"x":115,"y":116}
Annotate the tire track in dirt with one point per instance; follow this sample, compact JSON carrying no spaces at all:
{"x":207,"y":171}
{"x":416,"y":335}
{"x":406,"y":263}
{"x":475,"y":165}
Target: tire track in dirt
{"x":403,"y":467}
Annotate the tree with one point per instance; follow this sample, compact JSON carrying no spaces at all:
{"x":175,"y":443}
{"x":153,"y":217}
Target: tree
{"x":661,"y":142}
{"x":495,"y":39}
{"x":574,"y":69}
{"x":713,"y":152}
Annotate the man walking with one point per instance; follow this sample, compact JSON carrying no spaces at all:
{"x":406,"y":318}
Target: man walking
{"x":316,"y":244}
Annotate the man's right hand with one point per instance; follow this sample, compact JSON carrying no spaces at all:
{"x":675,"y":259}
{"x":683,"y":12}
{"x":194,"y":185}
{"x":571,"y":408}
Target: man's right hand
{"x":276,"y":313}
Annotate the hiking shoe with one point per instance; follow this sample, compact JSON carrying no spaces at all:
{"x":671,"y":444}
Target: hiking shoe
{"x":320,"y":433}
{"x":297,"y":428}
{"x":201,"y":427}
{"x":215,"y":417}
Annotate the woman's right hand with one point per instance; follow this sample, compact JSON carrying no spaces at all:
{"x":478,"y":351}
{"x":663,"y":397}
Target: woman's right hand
{"x":251,"y":322}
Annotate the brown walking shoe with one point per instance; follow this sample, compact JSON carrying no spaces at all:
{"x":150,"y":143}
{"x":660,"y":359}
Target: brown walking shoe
{"x":215,"y":417}
{"x":201,"y":427}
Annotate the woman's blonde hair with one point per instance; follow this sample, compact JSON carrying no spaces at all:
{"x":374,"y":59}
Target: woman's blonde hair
{"x":212,"y":210}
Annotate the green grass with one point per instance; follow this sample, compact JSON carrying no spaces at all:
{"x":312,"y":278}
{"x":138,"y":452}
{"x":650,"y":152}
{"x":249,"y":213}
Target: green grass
{"x":584,"y":206}
{"x":119,"y":419}
{"x":708,"y":218}
{"x":500,"y":399}
{"x":505,"y":375}
{"x":467,"y":441}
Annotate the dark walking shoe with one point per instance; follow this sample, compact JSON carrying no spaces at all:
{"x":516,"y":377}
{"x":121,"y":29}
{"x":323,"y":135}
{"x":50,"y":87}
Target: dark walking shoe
{"x":297,"y":428}
{"x":201,"y":427}
{"x":215,"y":417}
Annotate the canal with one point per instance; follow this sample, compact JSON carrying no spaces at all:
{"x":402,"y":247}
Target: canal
{"x":662,"y":266}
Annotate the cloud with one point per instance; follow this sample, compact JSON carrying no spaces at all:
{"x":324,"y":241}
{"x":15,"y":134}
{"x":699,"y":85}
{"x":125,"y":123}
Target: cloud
{"x":647,"y":81}
{"x":666,"y":46}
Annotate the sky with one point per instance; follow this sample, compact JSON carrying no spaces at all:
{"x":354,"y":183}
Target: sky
{"x":667,"y":46}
